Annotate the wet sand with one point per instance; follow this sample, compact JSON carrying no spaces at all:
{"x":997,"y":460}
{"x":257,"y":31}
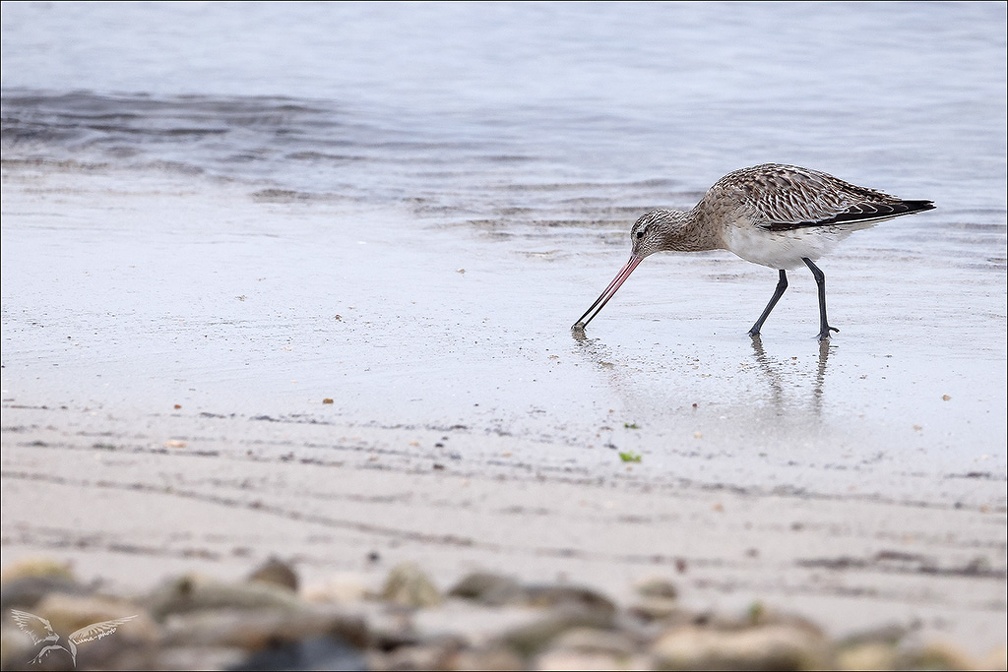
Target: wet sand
{"x":199,"y":376}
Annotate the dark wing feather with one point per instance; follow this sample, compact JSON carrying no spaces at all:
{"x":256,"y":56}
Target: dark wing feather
{"x":863,"y":212}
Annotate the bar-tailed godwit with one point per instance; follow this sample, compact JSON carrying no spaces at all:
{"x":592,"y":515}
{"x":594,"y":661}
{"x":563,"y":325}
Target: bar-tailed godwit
{"x":773,"y":215}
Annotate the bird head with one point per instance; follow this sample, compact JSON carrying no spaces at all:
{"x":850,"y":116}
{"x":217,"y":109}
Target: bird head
{"x":649,"y":233}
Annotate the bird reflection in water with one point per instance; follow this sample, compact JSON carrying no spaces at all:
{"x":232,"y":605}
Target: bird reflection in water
{"x":778,"y":373}
{"x":775,"y":374}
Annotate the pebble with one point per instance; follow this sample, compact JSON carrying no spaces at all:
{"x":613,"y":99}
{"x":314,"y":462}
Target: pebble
{"x":338,"y":589}
{"x":487,"y":621}
{"x":407,"y":585}
{"x":660,"y":609}
{"x":868,"y":656}
{"x":593,"y":640}
{"x":34,"y":568}
{"x":25,"y":592}
{"x":276,"y":572}
{"x":530,"y":639}
{"x":488,"y":658}
{"x":254,"y":630}
{"x":657,"y":587}
{"x":312,"y":653}
{"x":27,"y":581}
{"x":487,"y":588}
{"x":763,"y":647}
{"x":580,"y":599}
{"x":562,"y":659}
{"x":196,"y":593}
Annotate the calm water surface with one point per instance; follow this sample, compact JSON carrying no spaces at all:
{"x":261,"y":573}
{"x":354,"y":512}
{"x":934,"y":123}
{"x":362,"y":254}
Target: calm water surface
{"x":524,"y":113}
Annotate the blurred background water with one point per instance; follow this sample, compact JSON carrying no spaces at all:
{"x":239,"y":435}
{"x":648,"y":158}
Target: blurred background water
{"x":530,"y":116}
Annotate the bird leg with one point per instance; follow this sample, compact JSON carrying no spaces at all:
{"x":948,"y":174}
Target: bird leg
{"x":820,"y":279}
{"x":779,"y":292}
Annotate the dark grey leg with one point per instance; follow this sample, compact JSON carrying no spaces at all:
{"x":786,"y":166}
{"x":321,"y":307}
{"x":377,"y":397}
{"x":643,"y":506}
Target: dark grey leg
{"x":820,"y":279}
{"x":779,"y":292}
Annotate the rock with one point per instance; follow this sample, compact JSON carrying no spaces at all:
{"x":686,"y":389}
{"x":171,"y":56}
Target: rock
{"x":195,"y":593}
{"x":566,"y":607}
{"x":315,"y":653}
{"x":435,"y":654}
{"x":487,"y":658}
{"x":259,"y":630}
{"x":476,"y":624}
{"x":867,"y":656}
{"x":408,"y":586}
{"x":196,"y":658}
{"x":496,"y":590}
{"x":276,"y":572}
{"x":35,"y":568}
{"x":763,"y":647}
{"x":583,"y":600}
{"x":530,"y":639}
{"x":487,"y":588}
{"x":390,"y":627}
{"x":876,"y":649}
{"x":339,"y":590}
{"x":661,"y":609}
{"x":936,"y":656}
{"x":25,"y":592}
{"x":495,"y":623}
{"x":593,"y":649}
{"x":657,"y":587}
{"x":890,"y":635}
{"x":563,"y":659}
{"x":27,"y":581}
{"x":593,"y":640}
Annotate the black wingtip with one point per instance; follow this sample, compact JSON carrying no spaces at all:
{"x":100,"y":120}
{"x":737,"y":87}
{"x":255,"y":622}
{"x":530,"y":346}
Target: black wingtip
{"x":864,"y":212}
{"x":918,"y":206}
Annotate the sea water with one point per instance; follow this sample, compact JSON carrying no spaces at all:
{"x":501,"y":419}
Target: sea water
{"x":524,"y":113}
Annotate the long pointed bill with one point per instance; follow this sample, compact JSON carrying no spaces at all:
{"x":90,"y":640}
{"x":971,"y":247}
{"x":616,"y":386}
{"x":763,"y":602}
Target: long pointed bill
{"x":603,"y":298}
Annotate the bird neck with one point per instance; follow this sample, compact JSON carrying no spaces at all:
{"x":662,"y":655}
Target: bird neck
{"x":685,"y":231}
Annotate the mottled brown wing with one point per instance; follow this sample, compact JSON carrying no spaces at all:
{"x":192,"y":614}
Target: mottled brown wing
{"x":780,"y":198}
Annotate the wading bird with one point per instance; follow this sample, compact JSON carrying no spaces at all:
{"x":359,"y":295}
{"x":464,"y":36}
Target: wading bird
{"x":773,"y":215}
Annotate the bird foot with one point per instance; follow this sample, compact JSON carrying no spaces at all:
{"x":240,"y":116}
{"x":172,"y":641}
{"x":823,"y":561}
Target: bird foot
{"x":824,"y":335}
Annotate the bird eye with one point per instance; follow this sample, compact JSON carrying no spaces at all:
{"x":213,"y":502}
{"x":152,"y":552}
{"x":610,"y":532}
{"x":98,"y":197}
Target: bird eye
{"x":640,"y":234}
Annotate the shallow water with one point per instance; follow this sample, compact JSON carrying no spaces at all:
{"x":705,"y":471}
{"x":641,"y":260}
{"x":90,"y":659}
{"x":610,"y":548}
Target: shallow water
{"x":520,"y":113}
{"x":170,"y":294}
{"x":382,"y":149}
